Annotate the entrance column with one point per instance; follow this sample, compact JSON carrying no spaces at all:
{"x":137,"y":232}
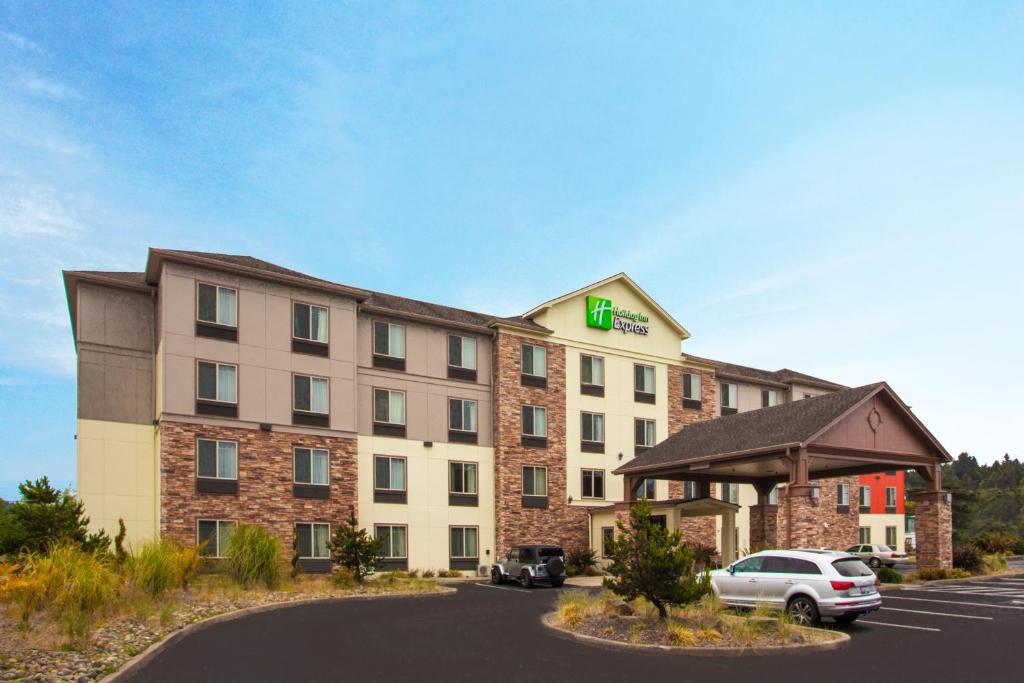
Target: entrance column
{"x":764,"y":520}
{"x":933,"y":511}
{"x":728,"y":541}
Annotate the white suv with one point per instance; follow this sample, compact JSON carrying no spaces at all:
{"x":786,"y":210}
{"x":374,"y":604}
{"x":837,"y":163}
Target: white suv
{"x":809,"y":584}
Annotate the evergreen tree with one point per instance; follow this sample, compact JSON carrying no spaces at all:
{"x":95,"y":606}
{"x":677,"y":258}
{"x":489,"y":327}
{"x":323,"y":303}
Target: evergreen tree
{"x":44,"y":515}
{"x":355,"y":549}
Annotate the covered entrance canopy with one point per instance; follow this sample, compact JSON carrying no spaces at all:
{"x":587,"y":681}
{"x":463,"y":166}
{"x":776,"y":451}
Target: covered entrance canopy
{"x":846,"y":433}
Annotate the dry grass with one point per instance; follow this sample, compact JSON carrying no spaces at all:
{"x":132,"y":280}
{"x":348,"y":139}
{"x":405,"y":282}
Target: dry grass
{"x":680,"y":636}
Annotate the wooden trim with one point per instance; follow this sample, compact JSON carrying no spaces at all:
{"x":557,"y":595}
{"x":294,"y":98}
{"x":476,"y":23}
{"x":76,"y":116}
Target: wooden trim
{"x":310,"y":419}
{"x":215,"y":331}
{"x":535,"y":502}
{"x":313,"y":491}
{"x":387,"y":429}
{"x":311,"y":348}
{"x":216,"y":408}
{"x":533,"y":381}
{"x":213,"y":485}
{"x":459,"y":436}
{"x":388,"y":362}
{"x":591,"y":390}
{"x":464,"y":374}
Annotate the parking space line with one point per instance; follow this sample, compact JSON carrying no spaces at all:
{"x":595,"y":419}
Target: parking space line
{"x":503,"y":588}
{"x":953,"y":602}
{"x":916,"y":628}
{"x":937,"y":614}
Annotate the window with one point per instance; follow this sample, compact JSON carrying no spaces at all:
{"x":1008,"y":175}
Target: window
{"x":592,"y":370}
{"x":217,"y":305}
{"x":865,"y":498}
{"x":535,"y":481}
{"x":843,"y":495}
{"x":388,"y":339}
{"x":691,"y":386}
{"x":393,"y":541}
{"x":644,"y":432}
{"x":462,"y":478}
{"x":217,"y":382}
{"x":592,"y":427}
{"x":647,"y":488}
{"x":462,"y":415}
{"x":689,"y":489}
{"x":311,"y":394}
{"x":309,"y":322}
{"x":909,"y":524}
{"x":592,"y":484}
{"x":311,"y":466}
{"x":389,"y":406}
{"x":729,"y":396}
{"x":864,"y":535}
{"x":461,"y":352}
{"x":607,"y":536}
{"x":773,"y":496}
{"x":731,"y":493}
{"x":769,"y":397}
{"x":463,"y":542}
{"x":890,"y":498}
{"x":217,"y":459}
{"x":215,"y":533}
{"x":751,"y":564}
{"x":389,"y":473}
{"x":890,"y":536}
{"x":535,"y":421}
{"x":643,"y":379}
{"x":314,"y":541}
{"x":535,"y":360}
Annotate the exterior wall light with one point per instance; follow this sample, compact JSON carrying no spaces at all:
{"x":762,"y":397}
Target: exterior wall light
{"x":815,"y":493}
{"x":947,"y":498}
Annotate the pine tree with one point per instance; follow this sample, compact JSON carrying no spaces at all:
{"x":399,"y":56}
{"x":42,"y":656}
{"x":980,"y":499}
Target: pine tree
{"x":44,"y":515}
{"x":355,"y":549}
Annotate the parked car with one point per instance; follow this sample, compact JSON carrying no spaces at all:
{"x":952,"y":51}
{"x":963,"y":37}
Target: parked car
{"x":531,"y":564}
{"x":808,"y":584}
{"x":875,"y":555}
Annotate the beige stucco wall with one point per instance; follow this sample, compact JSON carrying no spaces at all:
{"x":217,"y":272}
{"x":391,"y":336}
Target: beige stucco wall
{"x":878,"y":522}
{"x":117,"y":477}
{"x":427,"y":512}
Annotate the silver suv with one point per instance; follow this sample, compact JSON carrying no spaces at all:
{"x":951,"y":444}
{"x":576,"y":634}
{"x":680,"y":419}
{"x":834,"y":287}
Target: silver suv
{"x":809,"y":584}
{"x":531,"y":564}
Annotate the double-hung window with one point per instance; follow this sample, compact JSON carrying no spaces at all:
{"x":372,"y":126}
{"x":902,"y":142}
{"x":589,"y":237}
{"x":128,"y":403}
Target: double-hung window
{"x":592,"y":432}
{"x":647,"y":488}
{"x":535,"y":426}
{"x":217,"y":459}
{"x":461,"y":357}
{"x":691,"y":390}
{"x":607,"y":537}
{"x":643,"y":383}
{"x":591,"y":375}
{"x":729,"y":398}
{"x":843,"y":495}
{"x":309,"y":328}
{"x":462,"y":478}
{"x":388,"y":412}
{"x":890,"y":537}
{"x":463,"y":546}
{"x":865,"y":499}
{"x":314,"y":540}
{"x":592,"y":483}
{"x":534,"y":365}
{"x":388,"y":345}
{"x":311,"y":466}
{"x":216,"y":389}
{"x":216,"y":312}
{"x":731,"y":493}
{"x":689,"y":489}
{"x":890,"y":499}
{"x":311,"y":403}
{"x":215,"y":534}
{"x":864,"y":534}
{"x":769,"y":397}
{"x":644,"y":433}
{"x":535,"y":482}
{"x":462,"y":420}
{"x":389,"y":483}
{"x":392,"y":538}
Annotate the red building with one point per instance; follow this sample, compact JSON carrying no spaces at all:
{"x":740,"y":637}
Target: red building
{"x":882,"y":509}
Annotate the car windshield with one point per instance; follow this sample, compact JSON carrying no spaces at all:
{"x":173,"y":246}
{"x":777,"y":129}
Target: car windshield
{"x":546,"y":553}
{"x":852,"y":566}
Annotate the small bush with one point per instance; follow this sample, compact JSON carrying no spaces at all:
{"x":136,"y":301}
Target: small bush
{"x":996,"y":542}
{"x":571,"y":614}
{"x":992,"y":564}
{"x":581,"y":561}
{"x":428,"y":573}
{"x":680,"y":636}
{"x":967,"y":557}
{"x":355,"y":549}
{"x":254,"y":556}
{"x":413,"y":573}
{"x":889,"y":575}
{"x":120,"y":554}
{"x":161,"y":566}
{"x":940,"y":574}
{"x":709,"y":635}
{"x":343,"y":579}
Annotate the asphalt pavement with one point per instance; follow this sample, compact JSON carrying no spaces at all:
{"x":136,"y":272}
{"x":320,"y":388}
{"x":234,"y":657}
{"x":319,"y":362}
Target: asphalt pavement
{"x":965,"y":631}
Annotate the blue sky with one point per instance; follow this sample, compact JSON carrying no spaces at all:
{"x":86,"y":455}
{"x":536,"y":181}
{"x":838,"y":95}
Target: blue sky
{"x":832,"y":187}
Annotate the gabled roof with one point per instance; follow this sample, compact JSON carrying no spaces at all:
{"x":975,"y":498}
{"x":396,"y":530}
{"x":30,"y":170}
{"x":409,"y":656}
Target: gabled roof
{"x":627,"y":281}
{"x":787,"y":425}
{"x":781,"y":378}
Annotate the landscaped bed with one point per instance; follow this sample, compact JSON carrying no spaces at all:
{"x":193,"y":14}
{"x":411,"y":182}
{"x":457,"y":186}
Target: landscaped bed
{"x":703,"y":626}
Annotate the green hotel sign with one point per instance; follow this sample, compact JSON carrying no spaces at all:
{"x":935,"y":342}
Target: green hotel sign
{"x":603,"y":315}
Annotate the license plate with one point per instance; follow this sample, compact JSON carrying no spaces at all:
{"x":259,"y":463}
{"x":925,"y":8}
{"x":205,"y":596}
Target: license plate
{"x":855,"y":591}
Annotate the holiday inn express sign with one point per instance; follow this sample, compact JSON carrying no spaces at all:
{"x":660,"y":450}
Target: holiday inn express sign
{"x":604,"y":316}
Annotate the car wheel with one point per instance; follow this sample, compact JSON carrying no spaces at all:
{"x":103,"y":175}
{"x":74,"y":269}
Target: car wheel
{"x":495,"y":576}
{"x":525,"y":580}
{"x":874,"y":563}
{"x":803,"y":611}
{"x":846,"y":619}
{"x":558,"y":583}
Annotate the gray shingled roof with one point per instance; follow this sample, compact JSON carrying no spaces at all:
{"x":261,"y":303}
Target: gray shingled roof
{"x":783,"y":376}
{"x":780,"y":425}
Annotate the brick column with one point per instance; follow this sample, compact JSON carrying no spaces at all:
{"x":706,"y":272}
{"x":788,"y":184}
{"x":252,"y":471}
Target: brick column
{"x":934,"y":529}
{"x":808,"y":523}
{"x":764,"y":527}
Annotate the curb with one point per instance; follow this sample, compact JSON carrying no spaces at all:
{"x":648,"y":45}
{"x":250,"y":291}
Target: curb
{"x":144,"y":657}
{"x":548,"y":620}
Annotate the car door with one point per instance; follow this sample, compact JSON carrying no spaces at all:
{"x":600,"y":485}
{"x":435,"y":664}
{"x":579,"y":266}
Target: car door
{"x":773,"y":581}
{"x":733,"y":587}
{"x":512,"y":563}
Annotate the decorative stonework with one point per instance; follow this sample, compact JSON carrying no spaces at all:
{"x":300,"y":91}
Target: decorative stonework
{"x":695,"y":529}
{"x":764,"y":527}
{"x":807,"y":523}
{"x":558,"y":523}
{"x":265,"y":479}
{"x":934,"y":529}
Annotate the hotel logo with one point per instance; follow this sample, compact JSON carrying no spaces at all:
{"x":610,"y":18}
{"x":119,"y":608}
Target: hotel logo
{"x":605,"y":316}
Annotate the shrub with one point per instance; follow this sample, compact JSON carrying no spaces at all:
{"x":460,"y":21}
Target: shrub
{"x":680,"y":636}
{"x":581,"y":561}
{"x":649,"y":561}
{"x":254,"y":556}
{"x":355,"y":550}
{"x":120,"y":554}
{"x":296,"y":558}
{"x":343,"y":579}
{"x":967,"y":557}
{"x":156,"y":568}
{"x":709,"y":635}
{"x":889,"y":575}
{"x":992,"y":564}
{"x":940,"y":574}
{"x":45,"y":516}
{"x":993,"y":542}
{"x":571,"y":614}
{"x":428,"y":573}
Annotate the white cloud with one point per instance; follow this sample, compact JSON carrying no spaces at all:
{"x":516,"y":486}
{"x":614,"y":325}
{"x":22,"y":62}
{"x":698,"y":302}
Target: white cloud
{"x":44,"y":87}
{"x":20,"y":42}
{"x":31,"y":211}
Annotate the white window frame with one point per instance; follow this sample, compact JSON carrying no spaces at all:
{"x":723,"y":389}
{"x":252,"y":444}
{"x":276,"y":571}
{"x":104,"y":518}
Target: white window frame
{"x":217,"y":549}
{"x":327,"y":328}
{"x":522,"y":482}
{"x":385,"y":555}
{"x":462,"y":355}
{"x":451,"y":477}
{"x":405,"y":473}
{"x":695,"y":378}
{"x":310,"y":411}
{"x":533,"y":360}
{"x":772,"y":397}
{"x":216,"y":462}
{"x":843,"y":494}
{"x":894,"y":502}
{"x":389,"y":421}
{"x":311,"y":449}
{"x":654,"y":379}
{"x":217,"y":365}
{"x":312,"y":539}
{"x":864,"y":489}
{"x":216,"y":304}
{"x":730,"y":390}
{"x":462,"y":414}
{"x":583,"y":477}
{"x":451,"y":550}
{"x":592,"y":357}
{"x":583,"y":415}
{"x":522,"y":425}
{"x":646,"y":421}
{"x":391,"y":327}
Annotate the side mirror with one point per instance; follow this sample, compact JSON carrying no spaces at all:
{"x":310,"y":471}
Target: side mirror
{"x":731,"y":569}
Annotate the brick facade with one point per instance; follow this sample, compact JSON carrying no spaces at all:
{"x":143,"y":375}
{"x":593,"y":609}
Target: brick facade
{"x":934,"y":530}
{"x":697,"y":529}
{"x":265,"y":476}
{"x":764,"y":527}
{"x":559,"y":522}
{"x":807,"y":523}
